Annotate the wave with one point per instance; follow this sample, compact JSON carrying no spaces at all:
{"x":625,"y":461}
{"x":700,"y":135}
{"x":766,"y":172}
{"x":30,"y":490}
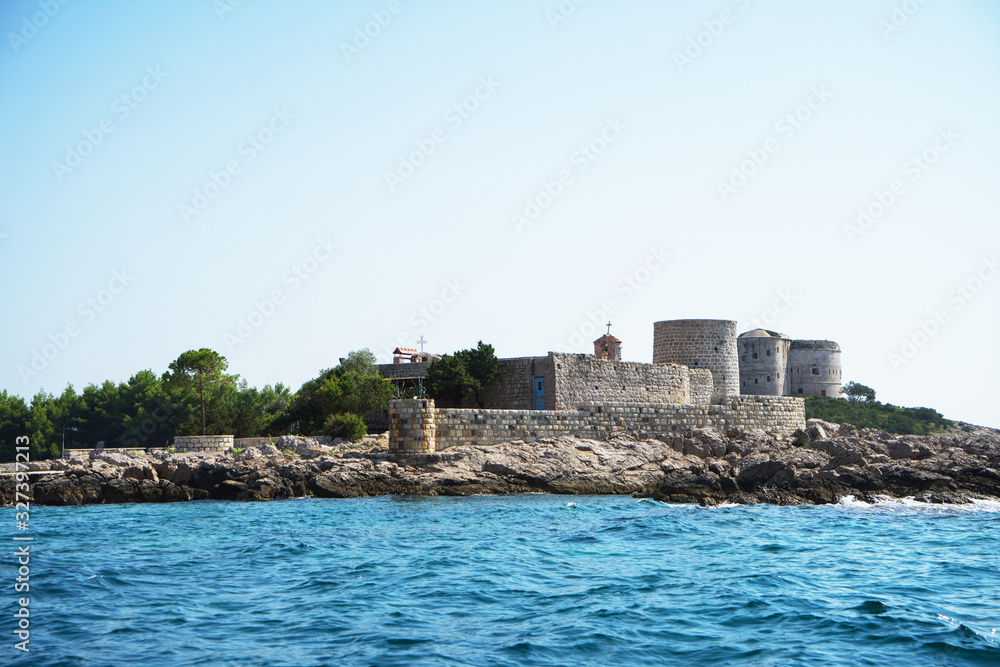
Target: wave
{"x":909,"y":502}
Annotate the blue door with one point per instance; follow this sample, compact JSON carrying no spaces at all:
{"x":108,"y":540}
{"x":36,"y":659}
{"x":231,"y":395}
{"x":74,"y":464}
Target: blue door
{"x":540,"y":393}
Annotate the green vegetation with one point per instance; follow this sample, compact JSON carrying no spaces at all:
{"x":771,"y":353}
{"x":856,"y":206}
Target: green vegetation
{"x":195,"y":396}
{"x":198,"y":369}
{"x":347,"y":426}
{"x":858,"y":393}
{"x":466,"y":373}
{"x":861,"y":409}
{"x":353,"y":387}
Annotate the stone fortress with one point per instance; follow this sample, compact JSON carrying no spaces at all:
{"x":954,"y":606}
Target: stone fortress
{"x":772,"y":364}
{"x":703,"y":376}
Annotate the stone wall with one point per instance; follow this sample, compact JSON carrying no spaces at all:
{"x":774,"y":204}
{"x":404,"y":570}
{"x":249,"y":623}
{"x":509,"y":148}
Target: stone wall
{"x":419,"y":428}
{"x":580,"y":378}
{"x":515,"y":390}
{"x":203,"y":443}
{"x":69,"y":453}
{"x":407,"y":370}
{"x":411,"y":429}
{"x":243,"y":443}
{"x":702,"y":386}
{"x":707,"y":344}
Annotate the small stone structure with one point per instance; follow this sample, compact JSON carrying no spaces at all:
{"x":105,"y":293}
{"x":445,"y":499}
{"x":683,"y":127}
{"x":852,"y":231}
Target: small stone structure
{"x":411,"y":426}
{"x":203,"y":444}
{"x":608,"y":347}
{"x":419,"y":428}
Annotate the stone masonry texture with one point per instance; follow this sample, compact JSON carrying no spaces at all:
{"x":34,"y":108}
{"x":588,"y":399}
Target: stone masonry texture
{"x":707,"y":344}
{"x":420,"y":428}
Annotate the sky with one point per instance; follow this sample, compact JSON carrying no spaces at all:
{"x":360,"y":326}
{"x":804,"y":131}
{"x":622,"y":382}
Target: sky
{"x":285,"y":182}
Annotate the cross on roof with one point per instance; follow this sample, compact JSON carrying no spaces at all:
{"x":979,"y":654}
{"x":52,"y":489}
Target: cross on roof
{"x":609,"y":327}
{"x":421,"y":342}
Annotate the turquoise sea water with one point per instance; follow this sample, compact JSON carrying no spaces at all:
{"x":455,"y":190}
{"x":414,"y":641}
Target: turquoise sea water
{"x":523,"y":580}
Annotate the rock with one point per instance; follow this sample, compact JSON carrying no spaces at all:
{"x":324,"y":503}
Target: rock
{"x":846,"y":430}
{"x":831,"y":447}
{"x":250,"y":454}
{"x":800,"y":437}
{"x":899,"y":449}
{"x":698,"y":466}
{"x":757,"y":471}
{"x":845,"y":458}
{"x":270,"y":451}
{"x":819,"y":429}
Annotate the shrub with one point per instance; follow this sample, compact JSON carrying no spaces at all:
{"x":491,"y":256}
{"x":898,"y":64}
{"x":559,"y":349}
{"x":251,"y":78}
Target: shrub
{"x":904,"y":421}
{"x":346,"y":425}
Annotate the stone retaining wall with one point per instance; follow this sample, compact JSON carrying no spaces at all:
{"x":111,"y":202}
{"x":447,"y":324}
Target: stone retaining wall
{"x":243,"y":443}
{"x":420,"y":428}
{"x":203,"y":443}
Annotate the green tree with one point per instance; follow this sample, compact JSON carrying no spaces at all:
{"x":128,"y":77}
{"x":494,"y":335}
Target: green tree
{"x":363,"y":362}
{"x":857,"y":393}
{"x":467,"y":372}
{"x":305,"y":412}
{"x":151,"y":415}
{"x":44,"y":426}
{"x":348,"y":426}
{"x":199,"y":369}
{"x":448,"y":380}
{"x":355,"y":394}
{"x":14,"y":416}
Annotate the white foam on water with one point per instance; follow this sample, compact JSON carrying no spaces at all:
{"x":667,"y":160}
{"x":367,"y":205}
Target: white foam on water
{"x":889,"y":502}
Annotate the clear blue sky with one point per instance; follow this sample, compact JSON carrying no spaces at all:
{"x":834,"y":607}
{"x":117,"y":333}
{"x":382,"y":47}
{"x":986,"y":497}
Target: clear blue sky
{"x":170,"y":169}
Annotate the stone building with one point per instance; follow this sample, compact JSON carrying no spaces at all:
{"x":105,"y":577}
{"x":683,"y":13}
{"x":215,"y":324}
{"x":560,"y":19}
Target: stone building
{"x":814,"y":368}
{"x":707,"y":344}
{"x":763,"y":363}
{"x":695,"y":362}
{"x":608,"y":347}
{"x":695,"y":381}
{"x":772,"y":364}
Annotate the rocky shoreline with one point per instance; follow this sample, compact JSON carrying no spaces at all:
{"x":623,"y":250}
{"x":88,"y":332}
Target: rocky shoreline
{"x":820,"y":464}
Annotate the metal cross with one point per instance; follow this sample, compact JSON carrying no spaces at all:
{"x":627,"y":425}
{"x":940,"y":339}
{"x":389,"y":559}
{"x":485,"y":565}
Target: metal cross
{"x":609,"y":328}
{"x":421,"y":341}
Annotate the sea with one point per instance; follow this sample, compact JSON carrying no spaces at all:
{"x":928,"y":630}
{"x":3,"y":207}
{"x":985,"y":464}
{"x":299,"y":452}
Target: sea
{"x":505,"y":581}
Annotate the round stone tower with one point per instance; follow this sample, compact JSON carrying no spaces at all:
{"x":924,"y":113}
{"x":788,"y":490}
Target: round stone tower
{"x":763,"y":362}
{"x":814,"y":368}
{"x":707,"y":344}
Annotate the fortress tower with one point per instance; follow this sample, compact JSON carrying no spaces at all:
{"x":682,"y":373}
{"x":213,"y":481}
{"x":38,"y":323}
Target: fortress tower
{"x":814,"y":368}
{"x":707,"y":344}
{"x":764,"y":362}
